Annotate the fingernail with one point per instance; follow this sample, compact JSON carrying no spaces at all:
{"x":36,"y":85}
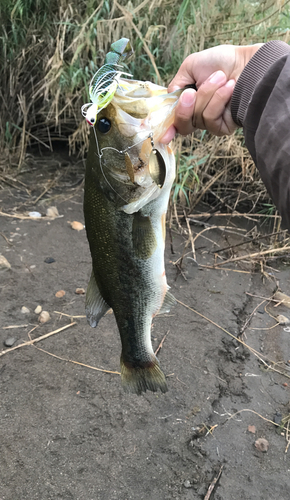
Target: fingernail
{"x":188,"y":98}
{"x":230,"y":84}
{"x":175,"y":87}
{"x":217,"y":77}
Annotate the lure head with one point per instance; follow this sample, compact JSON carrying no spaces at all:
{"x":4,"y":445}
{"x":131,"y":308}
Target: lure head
{"x":99,"y":101}
{"x":90,"y":111}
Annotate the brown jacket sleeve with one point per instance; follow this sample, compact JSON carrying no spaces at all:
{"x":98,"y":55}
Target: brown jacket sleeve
{"x":261,"y":104}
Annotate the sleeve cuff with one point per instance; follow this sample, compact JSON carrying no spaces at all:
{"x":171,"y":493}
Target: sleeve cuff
{"x":253,"y":72}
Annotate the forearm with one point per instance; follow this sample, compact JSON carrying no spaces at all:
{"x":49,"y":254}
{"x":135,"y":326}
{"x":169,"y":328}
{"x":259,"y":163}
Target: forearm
{"x":261,"y":104}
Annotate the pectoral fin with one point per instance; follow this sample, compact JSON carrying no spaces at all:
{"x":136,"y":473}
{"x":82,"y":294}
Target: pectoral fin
{"x":96,"y":307}
{"x":168,"y":302}
{"x":143,"y":236}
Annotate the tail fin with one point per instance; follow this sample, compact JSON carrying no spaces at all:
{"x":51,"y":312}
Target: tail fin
{"x":138,"y":379}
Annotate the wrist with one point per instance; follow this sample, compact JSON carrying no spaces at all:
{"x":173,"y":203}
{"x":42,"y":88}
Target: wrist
{"x":243,"y":56}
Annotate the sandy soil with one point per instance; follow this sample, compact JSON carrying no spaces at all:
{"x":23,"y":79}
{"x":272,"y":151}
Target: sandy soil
{"x":68,"y":432}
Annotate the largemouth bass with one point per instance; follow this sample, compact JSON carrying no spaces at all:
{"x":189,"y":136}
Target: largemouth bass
{"x":128,"y":179}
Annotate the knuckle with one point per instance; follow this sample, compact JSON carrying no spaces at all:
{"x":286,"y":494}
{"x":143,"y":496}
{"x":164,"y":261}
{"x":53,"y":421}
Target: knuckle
{"x":210,"y":116}
{"x":204,"y":90}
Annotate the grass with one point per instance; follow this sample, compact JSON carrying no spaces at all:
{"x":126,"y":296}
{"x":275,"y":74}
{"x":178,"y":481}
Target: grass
{"x":49,"y":50}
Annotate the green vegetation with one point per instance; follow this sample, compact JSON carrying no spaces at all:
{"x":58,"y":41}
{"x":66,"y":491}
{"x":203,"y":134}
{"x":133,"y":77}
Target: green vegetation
{"x":49,"y":50}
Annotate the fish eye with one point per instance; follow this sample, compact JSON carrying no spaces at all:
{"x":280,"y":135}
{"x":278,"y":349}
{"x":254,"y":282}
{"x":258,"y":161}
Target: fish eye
{"x":104,"y":125}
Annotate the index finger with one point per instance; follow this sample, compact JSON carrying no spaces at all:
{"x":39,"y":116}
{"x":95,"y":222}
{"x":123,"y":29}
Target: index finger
{"x":183,"y":77}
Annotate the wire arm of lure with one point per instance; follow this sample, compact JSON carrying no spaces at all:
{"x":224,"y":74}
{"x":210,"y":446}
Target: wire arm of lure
{"x":150,"y":136}
{"x":102,"y":170}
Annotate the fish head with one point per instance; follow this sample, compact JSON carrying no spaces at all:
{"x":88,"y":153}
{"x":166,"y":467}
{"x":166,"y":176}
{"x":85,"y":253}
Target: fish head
{"x":125,"y":138}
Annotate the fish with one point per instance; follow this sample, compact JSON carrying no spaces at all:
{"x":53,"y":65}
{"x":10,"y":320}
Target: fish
{"x":128,"y":179}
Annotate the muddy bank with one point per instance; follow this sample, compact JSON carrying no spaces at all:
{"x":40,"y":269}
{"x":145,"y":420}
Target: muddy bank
{"x":69,"y":432}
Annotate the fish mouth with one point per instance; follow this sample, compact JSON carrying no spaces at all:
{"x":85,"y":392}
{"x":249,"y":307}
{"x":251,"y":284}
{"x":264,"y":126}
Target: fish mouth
{"x":145,"y":109}
{"x":144,"y":160}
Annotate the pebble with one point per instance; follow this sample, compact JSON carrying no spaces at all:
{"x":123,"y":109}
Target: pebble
{"x":187,"y":484}
{"x":252,"y":429}
{"x":9,"y":342}
{"x":277,"y":418}
{"x":38,"y":310}
{"x":25,"y":310}
{"x":52,"y":212}
{"x":4,"y":264}
{"x":80,"y":291}
{"x":283,"y":320}
{"x":60,"y":294}
{"x":44,"y":317}
{"x":78,"y":226}
{"x":49,"y":260}
{"x":35,"y":215}
{"x":262,"y":445}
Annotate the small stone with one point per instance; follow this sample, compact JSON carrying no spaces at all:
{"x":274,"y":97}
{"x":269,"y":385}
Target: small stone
{"x":277,"y":418}
{"x":38,"y":310}
{"x":49,"y":260}
{"x":44,"y":317}
{"x":262,"y":445}
{"x":285,"y":384}
{"x":52,"y":212}
{"x":187,"y":484}
{"x":25,"y":310}
{"x":283,"y":320}
{"x":252,"y":429}
{"x":9,"y":342}
{"x":4,"y":264}
{"x":60,"y":294}
{"x":80,"y":291}
{"x":34,"y":215}
{"x":78,"y":226}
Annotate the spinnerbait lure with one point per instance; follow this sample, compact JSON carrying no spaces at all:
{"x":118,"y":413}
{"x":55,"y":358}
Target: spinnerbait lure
{"x":107,"y":79}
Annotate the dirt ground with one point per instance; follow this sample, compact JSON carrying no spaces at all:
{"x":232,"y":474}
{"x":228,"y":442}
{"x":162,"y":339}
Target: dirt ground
{"x":68,"y":432}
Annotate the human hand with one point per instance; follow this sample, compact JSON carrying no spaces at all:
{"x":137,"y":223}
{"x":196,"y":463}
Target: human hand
{"x":214,"y":72}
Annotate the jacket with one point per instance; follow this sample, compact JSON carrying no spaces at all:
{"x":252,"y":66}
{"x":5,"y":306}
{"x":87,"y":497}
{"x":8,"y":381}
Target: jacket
{"x":261,"y":105}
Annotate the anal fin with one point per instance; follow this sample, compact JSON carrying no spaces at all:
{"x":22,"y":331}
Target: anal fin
{"x":168,"y":302}
{"x":96,"y":307}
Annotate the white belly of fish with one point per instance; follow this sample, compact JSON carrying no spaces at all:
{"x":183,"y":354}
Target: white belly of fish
{"x":155,"y":269}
